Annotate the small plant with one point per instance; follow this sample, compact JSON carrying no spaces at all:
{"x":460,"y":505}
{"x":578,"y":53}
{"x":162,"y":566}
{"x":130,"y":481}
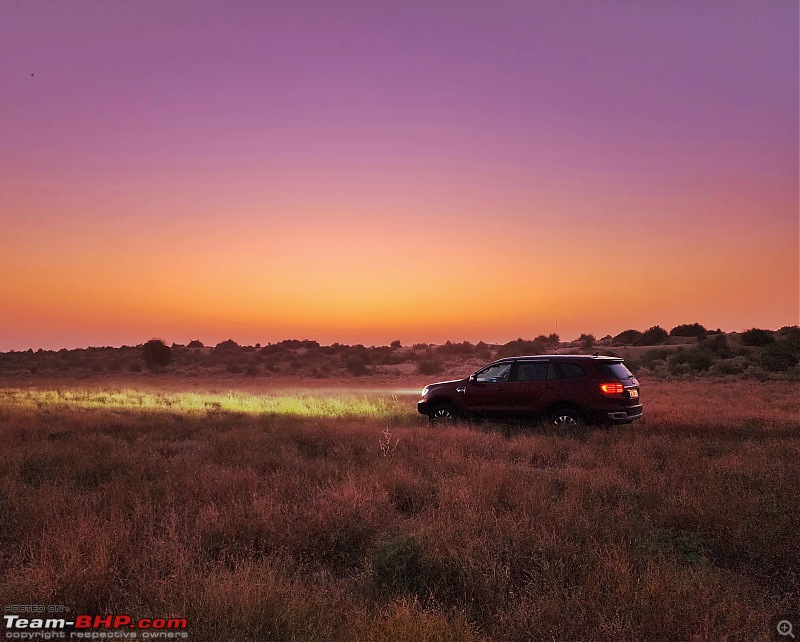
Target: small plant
{"x":398,"y":565}
{"x":387,"y":445}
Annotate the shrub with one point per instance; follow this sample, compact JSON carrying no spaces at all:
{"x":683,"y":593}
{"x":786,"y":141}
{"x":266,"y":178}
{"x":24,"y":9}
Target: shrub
{"x":757,"y":337}
{"x":195,"y":343}
{"x":156,"y":354}
{"x":685,"y":361}
{"x":396,"y":344}
{"x":627,"y":338}
{"x":737,"y":365}
{"x":791,"y":334}
{"x":586,"y":341}
{"x":651,"y":358}
{"x":430,"y":366}
{"x":355,"y":365}
{"x":718,"y":344}
{"x":653,"y":336}
{"x":780,"y":355}
{"x":688,"y":330}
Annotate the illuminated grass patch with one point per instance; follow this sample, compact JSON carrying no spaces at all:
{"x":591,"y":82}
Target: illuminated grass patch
{"x":331,"y":406}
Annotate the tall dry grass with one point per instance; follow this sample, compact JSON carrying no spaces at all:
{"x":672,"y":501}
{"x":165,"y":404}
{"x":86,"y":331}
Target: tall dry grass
{"x":264,"y":520}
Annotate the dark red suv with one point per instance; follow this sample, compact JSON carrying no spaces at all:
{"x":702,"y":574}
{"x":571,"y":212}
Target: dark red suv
{"x":562,"y":389}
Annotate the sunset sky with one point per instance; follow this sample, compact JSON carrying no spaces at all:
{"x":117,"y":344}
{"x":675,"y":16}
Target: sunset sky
{"x":368,"y":171}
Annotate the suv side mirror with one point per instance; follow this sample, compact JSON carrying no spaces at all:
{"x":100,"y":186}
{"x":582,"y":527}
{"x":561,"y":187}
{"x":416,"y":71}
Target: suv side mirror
{"x":473,"y":378}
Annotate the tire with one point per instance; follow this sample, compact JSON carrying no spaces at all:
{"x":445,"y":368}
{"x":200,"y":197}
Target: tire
{"x":443,"y":413}
{"x":566,"y":418}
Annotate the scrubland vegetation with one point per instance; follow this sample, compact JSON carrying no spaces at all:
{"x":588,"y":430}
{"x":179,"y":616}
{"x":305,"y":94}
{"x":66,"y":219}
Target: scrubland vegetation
{"x":688,"y":350}
{"x":303,"y":515}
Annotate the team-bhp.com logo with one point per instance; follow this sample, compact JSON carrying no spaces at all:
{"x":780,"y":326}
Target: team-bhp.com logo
{"x":35,"y":622}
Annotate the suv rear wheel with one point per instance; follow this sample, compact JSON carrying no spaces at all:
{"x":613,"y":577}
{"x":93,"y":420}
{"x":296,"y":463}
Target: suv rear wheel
{"x":443,"y":413}
{"x":566,"y":418}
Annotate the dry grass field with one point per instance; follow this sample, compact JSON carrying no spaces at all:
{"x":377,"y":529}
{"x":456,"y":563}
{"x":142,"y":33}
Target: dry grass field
{"x":303,"y":514}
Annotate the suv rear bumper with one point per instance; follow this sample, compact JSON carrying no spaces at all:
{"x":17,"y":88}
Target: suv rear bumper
{"x":632,"y":413}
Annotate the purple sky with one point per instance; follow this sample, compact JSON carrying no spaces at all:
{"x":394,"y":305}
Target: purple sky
{"x":256,"y":134}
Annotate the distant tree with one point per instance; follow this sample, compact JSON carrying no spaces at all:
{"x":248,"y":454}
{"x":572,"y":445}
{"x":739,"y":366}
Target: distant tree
{"x":757,"y":337}
{"x":553,"y":340}
{"x":789,"y":329}
{"x":653,"y":336}
{"x":195,"y":343}
{"x":156,"y":354}
{"x":228,"y":345}
{"x":586,"y":340}
{"x":522,"y":347}
{"x":688,"y":330}
{"x":396,"y":344}
{"x":465,"y":348}
{"x":628,"y":337}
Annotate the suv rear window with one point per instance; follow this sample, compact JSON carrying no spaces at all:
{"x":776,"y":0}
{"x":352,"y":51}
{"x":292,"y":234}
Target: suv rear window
{"x":571,"y":370}
{"x":535,"y":371}
{"x":618,"y":370}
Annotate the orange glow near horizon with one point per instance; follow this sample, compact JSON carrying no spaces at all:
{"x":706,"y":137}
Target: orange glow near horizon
{"x":382,"y":186}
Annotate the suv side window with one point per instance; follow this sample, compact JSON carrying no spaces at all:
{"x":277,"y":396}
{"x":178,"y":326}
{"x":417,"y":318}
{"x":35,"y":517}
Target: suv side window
{"x":494,"y":374}
{"x":571,"y":370}
{"x":535,"y":371}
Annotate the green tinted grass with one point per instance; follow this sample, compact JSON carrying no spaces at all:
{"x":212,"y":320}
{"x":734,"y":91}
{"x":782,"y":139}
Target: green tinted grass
{"x":390,"y":408}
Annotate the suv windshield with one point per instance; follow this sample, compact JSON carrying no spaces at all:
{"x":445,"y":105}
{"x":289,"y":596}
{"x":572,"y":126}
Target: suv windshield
{"x":618,"y":370}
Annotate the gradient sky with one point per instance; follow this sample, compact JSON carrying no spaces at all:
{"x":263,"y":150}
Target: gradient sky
{"x":368,"y":171}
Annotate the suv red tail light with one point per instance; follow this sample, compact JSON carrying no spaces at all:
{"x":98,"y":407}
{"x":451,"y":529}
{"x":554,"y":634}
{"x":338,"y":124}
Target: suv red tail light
{"x":612,"y":388}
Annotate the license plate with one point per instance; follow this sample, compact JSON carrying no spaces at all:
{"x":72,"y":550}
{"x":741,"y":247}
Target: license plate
{"x":634,"y":393}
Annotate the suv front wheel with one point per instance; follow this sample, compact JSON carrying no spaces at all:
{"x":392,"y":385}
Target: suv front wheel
{"x":443,"y":413}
